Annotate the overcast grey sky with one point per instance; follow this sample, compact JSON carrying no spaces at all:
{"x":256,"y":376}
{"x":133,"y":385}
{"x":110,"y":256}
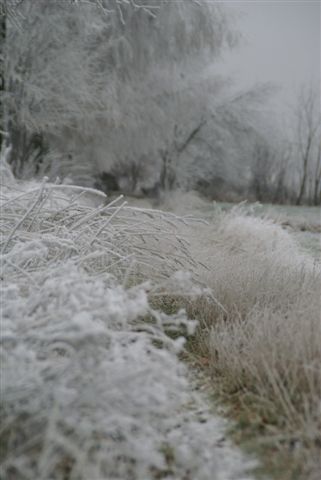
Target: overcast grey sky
{"x":281,"y":44}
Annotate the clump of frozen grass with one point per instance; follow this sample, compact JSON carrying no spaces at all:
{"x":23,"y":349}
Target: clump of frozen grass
{"x":260,"y":328}
{"x":263,"y":334}
{"x":91,"y":382}
{"x":111,"y":237}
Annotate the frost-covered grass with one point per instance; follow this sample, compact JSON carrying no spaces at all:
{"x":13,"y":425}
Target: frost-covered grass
{"x":261,"y":338}
{"x":260,"y":326}
{"x":92,"y":386}
{"x":303,"y":222}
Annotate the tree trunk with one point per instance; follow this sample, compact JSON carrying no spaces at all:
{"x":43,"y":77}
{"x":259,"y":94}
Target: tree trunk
{"x":317,"y":179}
{"x":302,"y":186}
{"x":305,"y":171}
{"x":3,"y":34}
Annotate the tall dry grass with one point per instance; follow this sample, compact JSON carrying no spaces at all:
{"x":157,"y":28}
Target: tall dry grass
{"x":260,"y":330}
{"x":262,"y":334}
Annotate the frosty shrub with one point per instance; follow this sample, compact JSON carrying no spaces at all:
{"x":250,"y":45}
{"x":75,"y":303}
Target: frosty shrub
{"x":92,"y":387}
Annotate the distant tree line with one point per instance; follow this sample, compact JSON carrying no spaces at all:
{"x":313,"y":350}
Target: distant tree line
{"x":124,"y":95}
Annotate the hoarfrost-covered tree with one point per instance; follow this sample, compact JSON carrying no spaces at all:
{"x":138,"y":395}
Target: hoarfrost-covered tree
{"x":163,"y":90}
{"x":96,"y":82}
{"x":125,"y":95}
{"x":225,"y":149}
{"x":49,"y":81}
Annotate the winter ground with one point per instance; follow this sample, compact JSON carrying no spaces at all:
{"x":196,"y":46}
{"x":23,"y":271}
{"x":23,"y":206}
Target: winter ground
{"x":93,"y":385}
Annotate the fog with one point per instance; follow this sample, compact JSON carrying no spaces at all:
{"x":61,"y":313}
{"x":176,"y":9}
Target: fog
{"x":280,"y":43}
